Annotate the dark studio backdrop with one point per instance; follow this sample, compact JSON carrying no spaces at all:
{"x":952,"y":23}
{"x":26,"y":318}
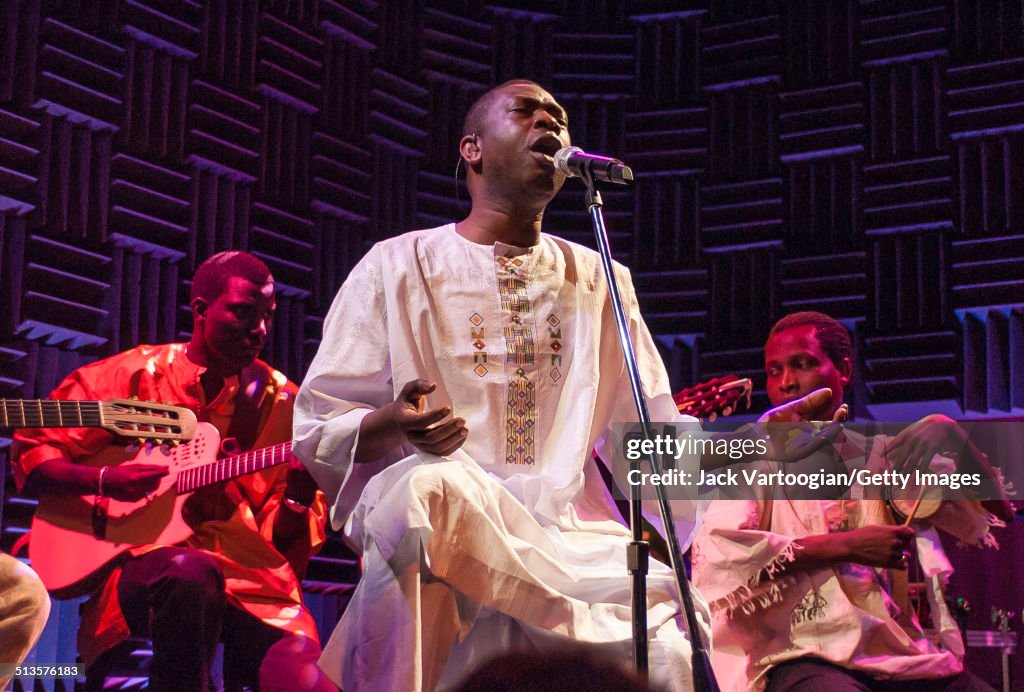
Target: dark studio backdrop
{"x":864,"y":158}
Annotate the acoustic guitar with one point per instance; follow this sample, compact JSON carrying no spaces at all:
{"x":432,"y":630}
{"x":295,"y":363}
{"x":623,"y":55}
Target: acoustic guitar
{"x":72,"y":551}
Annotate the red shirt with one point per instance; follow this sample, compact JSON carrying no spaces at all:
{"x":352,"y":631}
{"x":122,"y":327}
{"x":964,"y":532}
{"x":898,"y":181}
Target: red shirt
{"x":233,"y":521}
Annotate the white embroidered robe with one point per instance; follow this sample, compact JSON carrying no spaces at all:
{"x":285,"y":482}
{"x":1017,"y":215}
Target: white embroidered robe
{"x":516,"y":524}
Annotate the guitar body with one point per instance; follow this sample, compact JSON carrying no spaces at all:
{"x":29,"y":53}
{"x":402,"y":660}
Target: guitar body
{"x":72,"y":556}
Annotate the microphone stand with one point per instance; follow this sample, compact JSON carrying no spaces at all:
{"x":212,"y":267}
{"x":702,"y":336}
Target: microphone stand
{"x":638,"y":552}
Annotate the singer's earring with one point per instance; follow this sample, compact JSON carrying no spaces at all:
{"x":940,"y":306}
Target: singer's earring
{"x":459,"y":162}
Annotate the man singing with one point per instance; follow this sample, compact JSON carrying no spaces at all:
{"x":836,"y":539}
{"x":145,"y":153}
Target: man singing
{"x":465,"y":376}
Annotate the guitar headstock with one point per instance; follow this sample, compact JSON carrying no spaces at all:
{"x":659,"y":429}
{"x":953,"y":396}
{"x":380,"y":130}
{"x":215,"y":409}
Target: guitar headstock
{"x":147,"y":420}
{"x":719,"y":396}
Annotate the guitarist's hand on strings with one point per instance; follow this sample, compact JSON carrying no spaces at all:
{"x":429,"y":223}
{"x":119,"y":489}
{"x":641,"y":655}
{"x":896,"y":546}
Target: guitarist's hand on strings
{"x":130,"y":482}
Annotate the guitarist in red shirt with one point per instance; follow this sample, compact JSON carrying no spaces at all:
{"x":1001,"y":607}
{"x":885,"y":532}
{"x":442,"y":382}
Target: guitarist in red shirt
{"x":237,"y":577}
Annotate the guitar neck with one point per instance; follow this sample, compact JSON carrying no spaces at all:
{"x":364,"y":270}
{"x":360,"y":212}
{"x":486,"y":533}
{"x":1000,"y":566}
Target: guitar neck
{"x":718,"y":396}
{"x":233,"y":467}
{"x":50,"y":413}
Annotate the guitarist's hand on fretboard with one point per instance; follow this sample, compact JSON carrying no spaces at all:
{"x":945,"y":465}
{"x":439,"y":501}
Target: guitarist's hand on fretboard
{"x":130,"y":482}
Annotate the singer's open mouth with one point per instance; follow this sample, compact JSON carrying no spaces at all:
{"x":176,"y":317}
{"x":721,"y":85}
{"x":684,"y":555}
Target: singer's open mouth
{"x":547,"y":145}
{"x":544,"y":148}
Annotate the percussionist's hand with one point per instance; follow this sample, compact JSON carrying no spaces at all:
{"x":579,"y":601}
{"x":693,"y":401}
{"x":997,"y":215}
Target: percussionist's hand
{"x":916,"y":444}
{"x":878,"y":546}
{"x":130,"y":482}
{"x":428,"y":431}
{"x":796,"y":411}
{"x":796,"y":447}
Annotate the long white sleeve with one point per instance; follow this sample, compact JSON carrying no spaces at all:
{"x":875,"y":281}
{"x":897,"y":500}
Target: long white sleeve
{"x":349,"y":377}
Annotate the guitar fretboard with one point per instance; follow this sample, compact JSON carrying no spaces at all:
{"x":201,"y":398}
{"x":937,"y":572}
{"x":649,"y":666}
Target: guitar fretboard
{"x":49,"y":413}
{"x":232,"y":467}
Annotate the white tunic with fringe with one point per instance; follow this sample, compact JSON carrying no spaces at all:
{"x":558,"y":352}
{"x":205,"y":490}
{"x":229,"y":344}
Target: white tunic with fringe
{"x":843,"y":613}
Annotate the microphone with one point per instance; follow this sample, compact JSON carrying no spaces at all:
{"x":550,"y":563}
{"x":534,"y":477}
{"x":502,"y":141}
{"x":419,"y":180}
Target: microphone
{"x":575,"y":163}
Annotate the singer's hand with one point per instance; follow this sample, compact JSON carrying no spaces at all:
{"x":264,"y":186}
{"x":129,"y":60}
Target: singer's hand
{"x":427,"y":430}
